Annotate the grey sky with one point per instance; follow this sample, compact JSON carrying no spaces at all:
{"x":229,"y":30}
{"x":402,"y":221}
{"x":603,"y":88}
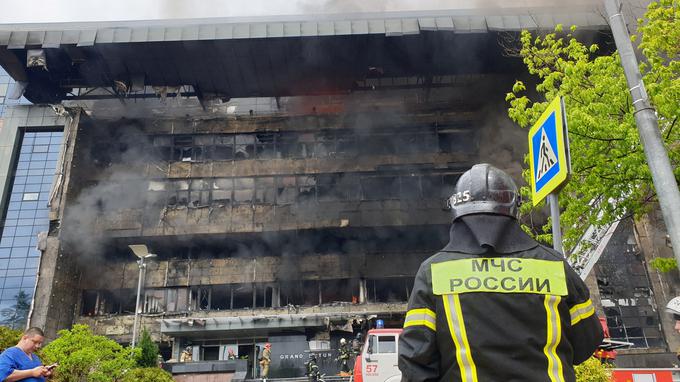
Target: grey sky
{"x":41,"y":11}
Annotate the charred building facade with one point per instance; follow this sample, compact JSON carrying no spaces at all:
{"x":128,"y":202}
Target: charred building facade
{"x":289,"y":175}
{"x":285,"y":227}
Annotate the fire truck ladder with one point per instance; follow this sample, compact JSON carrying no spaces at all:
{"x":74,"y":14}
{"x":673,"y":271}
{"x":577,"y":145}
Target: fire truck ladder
{"x":591,"y":246}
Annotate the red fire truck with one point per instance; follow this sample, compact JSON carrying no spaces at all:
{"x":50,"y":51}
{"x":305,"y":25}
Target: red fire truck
{"x":378,"y":360}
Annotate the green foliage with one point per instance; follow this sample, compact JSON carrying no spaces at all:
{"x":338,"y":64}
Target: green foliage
{"x":8,"y":337}
{"x":593,"y":370}
{"x":608,"y":161}
{"x":148,"y":374}
{"x":663,"y":264}
{"x":83,"y":356}
{"x":148,"y":356}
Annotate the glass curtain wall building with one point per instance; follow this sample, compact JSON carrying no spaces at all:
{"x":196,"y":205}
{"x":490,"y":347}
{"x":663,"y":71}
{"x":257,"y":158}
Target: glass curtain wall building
{"x":26,"y":214}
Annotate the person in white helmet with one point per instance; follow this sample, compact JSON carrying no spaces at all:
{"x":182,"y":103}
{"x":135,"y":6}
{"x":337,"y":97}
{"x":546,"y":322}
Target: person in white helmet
{"x":673,"y":307}
{"x":344,"y":357}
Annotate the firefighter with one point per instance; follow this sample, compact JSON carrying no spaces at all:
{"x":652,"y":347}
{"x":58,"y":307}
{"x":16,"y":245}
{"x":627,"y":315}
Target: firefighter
{"x":186,"y":355}
{"x":312,"y":369}
{"x":356,"y":345}
{"x":495,"y":305}
{"x":231,"y":355}
{"x":265,"y":360}
{"x":344,"y":357}
{"x":673,"y":307}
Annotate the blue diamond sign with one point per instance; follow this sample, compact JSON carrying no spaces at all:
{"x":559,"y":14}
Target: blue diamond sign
{"x":549,"y":151}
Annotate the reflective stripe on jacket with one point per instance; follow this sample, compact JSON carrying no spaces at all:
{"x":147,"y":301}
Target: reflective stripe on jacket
{"x":521,"y":316}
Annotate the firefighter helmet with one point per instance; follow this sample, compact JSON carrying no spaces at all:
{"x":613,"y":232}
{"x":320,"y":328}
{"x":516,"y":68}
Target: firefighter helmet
{"x":673,"y":307}
{"x":484,"y":189}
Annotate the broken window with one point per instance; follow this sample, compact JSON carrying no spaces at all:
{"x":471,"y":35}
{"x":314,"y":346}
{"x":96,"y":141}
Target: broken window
{"x":266,"y":146}
{"x":101,"y":302}
{"x":306,"y":188}
{"x":210,"y":353}
{"x":179,"y":196}
{"x":156,"y":195}
{"x":396,"y":289}
{"x":287,"y":190}
{"x":265,"y":190}
{"x":244,"y":147}
{"x":183,"y":148}
{"x":220,"y":297}
{"x":291,"y":293}
{"x":343,"y":290}
{"x":200,"y":193}
{"x":311,"y":292}
{"x":89,"y":306}
{"x":223,"y":148}
{"x":289,"y":146}
{"x":154,"y":301}
{"x":200,"y":297}
{"x":163,"y":147}
{"x":242,"y":296}
{"x":222,"y":188}
{"x":243,"y":190}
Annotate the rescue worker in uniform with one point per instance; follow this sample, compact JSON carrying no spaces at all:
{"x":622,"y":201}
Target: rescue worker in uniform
{"x":265,"y":360}
{"x":186,"y":355}
{"x":356,"y":345}
{"x":344,"y":357}
{"x":494,"y":305}
{"x":673,"y":307}
{"x":231,"y":355}
{"x":312,"y":369}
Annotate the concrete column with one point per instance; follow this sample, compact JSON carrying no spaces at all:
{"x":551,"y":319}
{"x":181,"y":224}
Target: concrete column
{"x":176,"y":349}
{"x":362,"y":291}
{"x":276,"y":296}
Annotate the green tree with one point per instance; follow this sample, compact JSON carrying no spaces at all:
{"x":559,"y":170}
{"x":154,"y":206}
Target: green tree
{"x":15,"y":317}
{"x":83,"y":356}
{"x":148,"y":356}
{"x":8,"y":337}
{"x":610,"y":178}
{"x":147,"y":374}
{"x":593,"y":370}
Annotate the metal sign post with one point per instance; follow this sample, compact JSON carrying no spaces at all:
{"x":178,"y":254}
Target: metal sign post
{"x":549,"y":161}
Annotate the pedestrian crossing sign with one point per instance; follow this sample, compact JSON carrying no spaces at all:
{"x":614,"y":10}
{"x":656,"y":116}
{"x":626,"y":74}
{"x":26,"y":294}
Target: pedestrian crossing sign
{"x":549,"y":151}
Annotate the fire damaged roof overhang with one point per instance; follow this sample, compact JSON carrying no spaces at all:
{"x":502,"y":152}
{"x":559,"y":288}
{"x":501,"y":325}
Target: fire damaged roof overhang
{"x":232,"y":59}
{"x":244,"y":325}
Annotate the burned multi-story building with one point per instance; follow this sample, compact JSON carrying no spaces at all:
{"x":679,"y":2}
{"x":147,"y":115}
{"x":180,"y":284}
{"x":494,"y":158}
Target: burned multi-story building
{"x":288,"y":173}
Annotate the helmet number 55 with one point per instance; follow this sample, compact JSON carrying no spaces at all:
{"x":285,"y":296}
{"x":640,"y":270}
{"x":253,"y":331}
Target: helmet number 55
{"x":460,"y":197}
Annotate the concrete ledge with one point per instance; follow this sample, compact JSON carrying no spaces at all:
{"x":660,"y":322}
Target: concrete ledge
{"x":649,"y":360}
{"x":237,"y":367}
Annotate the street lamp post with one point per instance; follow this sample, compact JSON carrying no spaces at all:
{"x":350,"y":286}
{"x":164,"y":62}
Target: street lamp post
{"x":142,"y":252}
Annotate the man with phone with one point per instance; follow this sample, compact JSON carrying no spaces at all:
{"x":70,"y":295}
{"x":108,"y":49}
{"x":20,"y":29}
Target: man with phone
{"x":20,"y":363}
